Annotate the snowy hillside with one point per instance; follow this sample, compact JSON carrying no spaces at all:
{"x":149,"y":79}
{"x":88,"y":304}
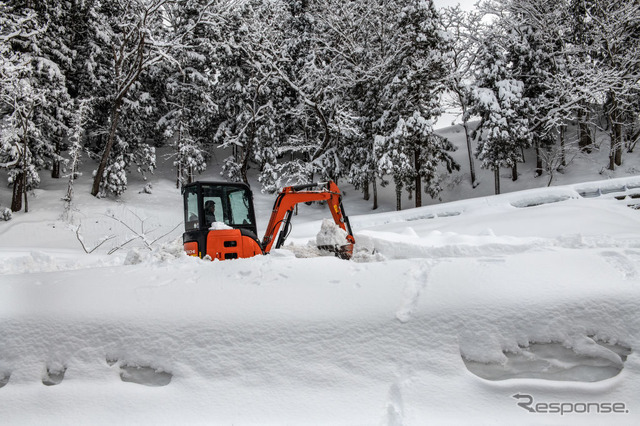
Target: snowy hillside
{"x":473,"y":311}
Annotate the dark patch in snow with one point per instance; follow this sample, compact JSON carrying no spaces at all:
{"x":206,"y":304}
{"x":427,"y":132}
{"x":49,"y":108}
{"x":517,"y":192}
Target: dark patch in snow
{"x":632,"y":195}
{"x":555,"y":361}
{"x":147,"y":376}
{"x":589,"y":193}
{"x":421,"y":217}
{"x":54,"y":377}
{"x":4,"y":380}
{"x":449,"y":214}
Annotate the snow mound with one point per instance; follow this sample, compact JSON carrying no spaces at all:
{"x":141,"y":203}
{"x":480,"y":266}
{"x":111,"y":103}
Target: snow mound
{"x":164,"y":253}
{"x":217,"y":226}
{"x":331,"y":235}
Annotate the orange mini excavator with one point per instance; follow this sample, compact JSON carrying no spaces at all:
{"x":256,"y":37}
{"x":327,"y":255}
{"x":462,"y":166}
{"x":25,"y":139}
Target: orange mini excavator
{"x":220,"y":221}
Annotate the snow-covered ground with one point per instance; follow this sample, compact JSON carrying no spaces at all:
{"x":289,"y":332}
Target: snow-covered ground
{"x":472,"y":311}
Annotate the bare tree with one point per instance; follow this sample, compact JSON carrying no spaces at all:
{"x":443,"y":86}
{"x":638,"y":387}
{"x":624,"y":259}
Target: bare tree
{"x":464,"y":28}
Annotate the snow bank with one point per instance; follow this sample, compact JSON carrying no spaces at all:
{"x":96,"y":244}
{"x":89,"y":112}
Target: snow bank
{"x":458,"y":308}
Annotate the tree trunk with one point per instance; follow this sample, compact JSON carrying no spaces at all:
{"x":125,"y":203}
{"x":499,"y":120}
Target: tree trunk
{"x":398,"y":198}
{"x":375,"y":194}
{"x":539,"y":165}
{"x":496,"y":175}
{"x":563,"y":131}
{"x":245,"y":160}
{"x":615,"y":134}
{"x":365,"y":190}
{"x":115,"y":117}
{"x":619,"y":144}
{"x":179,"y":168}
{"x":16,"y":199}
{"x":55,"y":167}
{"x":418,"y":179}
{"x":24,"y":191}
{"x":633,"y":141}
{"x":584,"y":137}
{"x":612,"y":162}
{"x":514,"y":171}
{"x":472,"y":166}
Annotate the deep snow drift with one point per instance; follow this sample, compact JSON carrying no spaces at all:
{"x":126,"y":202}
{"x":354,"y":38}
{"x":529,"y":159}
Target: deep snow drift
{"x":455,"y":313}
{"x":518,"y":308}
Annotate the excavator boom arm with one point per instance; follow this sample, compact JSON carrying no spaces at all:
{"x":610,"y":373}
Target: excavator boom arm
{"x":290,"y":196}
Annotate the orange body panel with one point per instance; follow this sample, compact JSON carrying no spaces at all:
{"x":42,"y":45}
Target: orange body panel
{"x":192,"y":249}
{"x":230,"y":244}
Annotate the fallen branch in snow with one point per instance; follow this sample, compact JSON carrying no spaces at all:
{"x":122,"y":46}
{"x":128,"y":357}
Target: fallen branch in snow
{"x":84,"y":247}
{"x":141,"y":235}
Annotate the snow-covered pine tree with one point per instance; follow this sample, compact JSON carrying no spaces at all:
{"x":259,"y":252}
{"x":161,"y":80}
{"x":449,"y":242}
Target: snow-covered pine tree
{"x":532,"y":35}
{"x":414,"y":78}
{"x":76,"y":139}
{"x":21,"y":145}
{"x":33,"y":97}
{"x":189,"y":104}
{"x":614,"y":29}
{"x":606,"y":32}
{"x":368,"y":50}
{"x":246,"y":92}
{"x":313,"y":117}
{"x":499,"y":101}
{"x":53,"y":57}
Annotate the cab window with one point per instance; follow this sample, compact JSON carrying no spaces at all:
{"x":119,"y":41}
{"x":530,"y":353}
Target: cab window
{"x":191,"y":218}
{"x":239,"y":203}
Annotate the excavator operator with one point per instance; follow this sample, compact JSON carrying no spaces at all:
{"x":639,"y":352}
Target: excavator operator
{"x":209,"y":212}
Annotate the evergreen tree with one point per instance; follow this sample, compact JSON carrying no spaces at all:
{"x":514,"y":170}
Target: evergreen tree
{"x":245,"y":94}
{"x":54,"y":58}
{"x":414,"y":79}
{"x":190,"y":110}
{"x":499,"y":101}
{"x":33,"y":96}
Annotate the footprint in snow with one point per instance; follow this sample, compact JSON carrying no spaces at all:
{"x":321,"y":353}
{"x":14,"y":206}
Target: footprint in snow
{"x":621,"y":262}
{"x":142,"y":375}
{"x":4,"y":380}
{"x":554,"y":361}
{"x":415,"y":286}
{"x":53,"y":377}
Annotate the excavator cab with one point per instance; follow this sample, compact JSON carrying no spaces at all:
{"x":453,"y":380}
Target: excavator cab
{"x":225,"y":208}
{"x":220,"y":221}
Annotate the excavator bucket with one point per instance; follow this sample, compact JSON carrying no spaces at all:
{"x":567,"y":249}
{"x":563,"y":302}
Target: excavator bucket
{"x":343,"y":252}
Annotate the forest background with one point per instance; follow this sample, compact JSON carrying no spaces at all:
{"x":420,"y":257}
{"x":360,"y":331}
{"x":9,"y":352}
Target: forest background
{"x":302,"y":90}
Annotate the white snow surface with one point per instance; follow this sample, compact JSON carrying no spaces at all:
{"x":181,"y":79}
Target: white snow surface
{"x":219,"y":226}
{"x":444,"y":314}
